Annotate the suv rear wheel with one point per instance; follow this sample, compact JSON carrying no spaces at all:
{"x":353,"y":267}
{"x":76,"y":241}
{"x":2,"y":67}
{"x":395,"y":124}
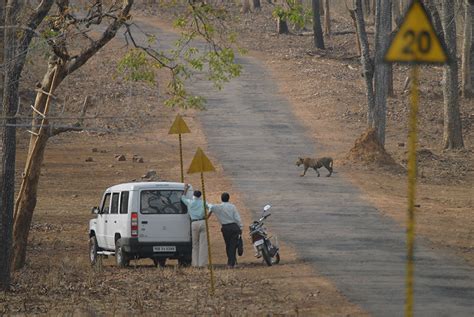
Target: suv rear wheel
{"x":93,"y":247}
{"x":184,"y":261}
{"x":159,"y":262}
{"x":121,"y":257}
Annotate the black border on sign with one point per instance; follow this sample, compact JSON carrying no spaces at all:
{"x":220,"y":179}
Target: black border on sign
{"x":442,"y":43}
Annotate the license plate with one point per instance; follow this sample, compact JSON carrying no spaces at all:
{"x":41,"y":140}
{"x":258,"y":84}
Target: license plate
{"x":164,"y":248}
{"x":258,"y":242}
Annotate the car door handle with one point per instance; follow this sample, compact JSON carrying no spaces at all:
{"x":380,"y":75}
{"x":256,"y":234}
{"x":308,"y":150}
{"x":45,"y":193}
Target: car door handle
{"x":144,"y":222}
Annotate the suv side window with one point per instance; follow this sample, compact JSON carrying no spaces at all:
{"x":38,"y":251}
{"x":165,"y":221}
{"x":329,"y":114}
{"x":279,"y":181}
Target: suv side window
{"x":115,"y":203}
{"x":124,"y":203}
{"x":105,"y":204}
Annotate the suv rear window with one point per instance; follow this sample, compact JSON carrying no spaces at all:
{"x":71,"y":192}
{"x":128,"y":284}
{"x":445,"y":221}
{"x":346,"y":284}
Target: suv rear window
{"x":162,"y":202}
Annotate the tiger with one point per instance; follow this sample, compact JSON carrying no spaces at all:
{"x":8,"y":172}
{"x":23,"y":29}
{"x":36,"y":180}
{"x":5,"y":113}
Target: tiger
{"x":308,"y":162}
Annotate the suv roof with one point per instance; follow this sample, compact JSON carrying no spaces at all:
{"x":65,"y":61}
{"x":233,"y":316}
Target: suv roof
{"x":146,"y":185}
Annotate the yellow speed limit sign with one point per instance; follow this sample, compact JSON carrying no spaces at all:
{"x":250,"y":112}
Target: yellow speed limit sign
{"x":416,"y":41}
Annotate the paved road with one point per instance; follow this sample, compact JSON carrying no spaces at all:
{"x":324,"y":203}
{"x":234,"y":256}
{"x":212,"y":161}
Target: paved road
{"x":255,"y":136}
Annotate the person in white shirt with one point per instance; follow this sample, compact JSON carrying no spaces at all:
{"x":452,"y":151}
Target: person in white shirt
{"x":198,"y":227}
{"x":229,"y":217}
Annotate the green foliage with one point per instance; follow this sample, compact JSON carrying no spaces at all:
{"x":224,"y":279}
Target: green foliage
{"x":136,"y":66}
{"x":49,"y":33}
{"x":292,"y":12}
{"x":200,"y":23}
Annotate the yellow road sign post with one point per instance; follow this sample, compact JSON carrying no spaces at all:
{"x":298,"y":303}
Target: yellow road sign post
{"x":179,"y":127}
{"x":415,"y":43}
{"x":201,"y":164}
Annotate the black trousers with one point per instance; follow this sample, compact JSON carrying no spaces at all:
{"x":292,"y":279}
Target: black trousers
{"x":231,"y":234}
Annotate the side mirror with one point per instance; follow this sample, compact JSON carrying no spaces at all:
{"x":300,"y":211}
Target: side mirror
{"x":266,"y":207}
{"x":95,"y":210}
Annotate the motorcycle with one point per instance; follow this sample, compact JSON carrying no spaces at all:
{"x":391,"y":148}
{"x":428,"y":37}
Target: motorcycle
{"x":265,"y":246}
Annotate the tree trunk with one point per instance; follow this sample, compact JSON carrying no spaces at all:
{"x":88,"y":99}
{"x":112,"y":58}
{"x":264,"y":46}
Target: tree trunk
{"x":390,"y":66}
{"x":383,"y":28}
{"x":317,"y":29}
{"x":12,"y":72}
{"x":435,"y":18}
{"x":354,"y":21}
{"x":471,"y":54}
{"x":467,"y":55}
{"x":367,"y":10}
{"x":2,"y":48}
{"x":256,"y":6}
{"x":367,"y":63}
{"x":390,"y":90}
{"x":327,"y":19}
{"x":397,"y":16}
{"x":452,"y":132}
{"x":245,"y":6}
{"x":282,"y":26}
{"x":404,"y":6}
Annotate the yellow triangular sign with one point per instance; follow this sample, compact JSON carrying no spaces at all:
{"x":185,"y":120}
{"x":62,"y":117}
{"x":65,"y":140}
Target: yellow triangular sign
{"x":416,"y":41}
{"x":200,"y":163}
{"x":179,"y":126}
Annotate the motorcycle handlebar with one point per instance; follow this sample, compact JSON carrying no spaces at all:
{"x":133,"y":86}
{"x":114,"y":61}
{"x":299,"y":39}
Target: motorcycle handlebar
{"x":263,"y":218}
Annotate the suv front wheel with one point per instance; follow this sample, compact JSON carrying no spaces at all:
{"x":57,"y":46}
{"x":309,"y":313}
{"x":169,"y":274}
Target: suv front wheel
{"x":93,"y":247}
{"x":121,"y":256}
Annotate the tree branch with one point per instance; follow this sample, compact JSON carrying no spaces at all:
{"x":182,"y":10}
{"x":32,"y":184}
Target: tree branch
{"x":76,"y":127}
{"x":34,"y":21}
{"x":107,"y":35}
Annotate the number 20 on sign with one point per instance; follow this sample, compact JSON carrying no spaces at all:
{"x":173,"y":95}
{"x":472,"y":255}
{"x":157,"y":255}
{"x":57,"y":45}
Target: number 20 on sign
{"x":415,"y":43}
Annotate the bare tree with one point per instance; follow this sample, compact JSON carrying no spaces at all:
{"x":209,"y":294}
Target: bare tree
{"x":396,"y":11}
{"x":366,"y":61}
{"x":327,"y":19}
{"x":468,"y":52}
{"x":245,"y":6}
{"x":435,"y":18}
{"x":16,"y":44}
{"x":256,"y":6}
{"x":366,"y":5}
{"x":61,"y":65}
{"x":354,"y":21}
{"x":318,"y":31}
{"x":2,"y":33}
{"x":471,"y":54}
{"x":376,"y":74}
{"x":452,"y":132}
{"x":7,"y":177}
{"x":383,"y":28}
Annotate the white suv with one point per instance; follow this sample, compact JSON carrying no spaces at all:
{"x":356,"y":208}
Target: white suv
{"x":142,"y":220}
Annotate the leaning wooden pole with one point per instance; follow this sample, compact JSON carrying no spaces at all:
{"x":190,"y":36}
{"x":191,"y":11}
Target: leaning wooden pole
{"x":36,"y":135}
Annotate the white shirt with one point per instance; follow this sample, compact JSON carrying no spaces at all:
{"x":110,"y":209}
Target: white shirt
{"x":226,"y":213}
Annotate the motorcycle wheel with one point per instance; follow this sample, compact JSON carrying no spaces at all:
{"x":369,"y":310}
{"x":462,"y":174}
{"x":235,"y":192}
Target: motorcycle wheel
{"x":266,"y":255}
{"x":276,"y":258}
